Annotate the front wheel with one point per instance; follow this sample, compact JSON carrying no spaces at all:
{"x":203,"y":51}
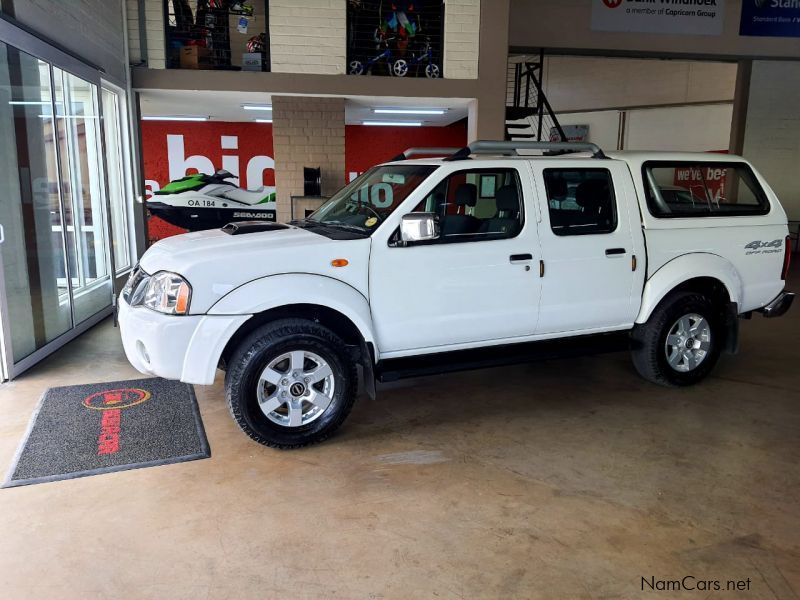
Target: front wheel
{"x":290,"y":383}
{"x":680,"y":342}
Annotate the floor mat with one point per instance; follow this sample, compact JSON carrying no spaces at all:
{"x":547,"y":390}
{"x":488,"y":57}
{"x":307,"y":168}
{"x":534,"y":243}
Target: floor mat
{"x":81,"y":430}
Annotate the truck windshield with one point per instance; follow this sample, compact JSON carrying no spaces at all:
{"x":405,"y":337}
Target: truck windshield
{"x":365,"y":202}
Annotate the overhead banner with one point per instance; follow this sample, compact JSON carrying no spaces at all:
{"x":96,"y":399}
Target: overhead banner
{"x":685,"y":17}
{"x":775,"y":18}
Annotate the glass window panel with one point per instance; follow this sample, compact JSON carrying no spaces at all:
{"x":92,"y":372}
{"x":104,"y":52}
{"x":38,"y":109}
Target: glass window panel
{"x":117,"y":188}
{"x":33,"y":255}
{"x":703,"y":189}
{"x":84,"y":193}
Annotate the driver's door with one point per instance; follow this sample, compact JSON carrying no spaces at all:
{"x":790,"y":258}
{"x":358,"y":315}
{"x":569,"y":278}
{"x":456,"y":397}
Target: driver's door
{"x":478,"y":282}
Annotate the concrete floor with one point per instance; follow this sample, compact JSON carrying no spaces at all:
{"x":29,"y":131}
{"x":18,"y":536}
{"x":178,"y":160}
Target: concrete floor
{"x":566,"y":479}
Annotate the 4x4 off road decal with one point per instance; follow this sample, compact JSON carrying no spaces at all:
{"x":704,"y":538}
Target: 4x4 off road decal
{"x":111,"y":403}
{"x":759,"y":247}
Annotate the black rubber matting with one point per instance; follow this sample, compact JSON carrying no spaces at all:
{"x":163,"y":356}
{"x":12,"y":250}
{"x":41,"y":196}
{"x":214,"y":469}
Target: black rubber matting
{"x":81,"y":430}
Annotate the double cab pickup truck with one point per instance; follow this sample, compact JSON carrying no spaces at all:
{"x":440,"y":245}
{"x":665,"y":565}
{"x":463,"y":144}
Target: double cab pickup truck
{"x":480,"y":257}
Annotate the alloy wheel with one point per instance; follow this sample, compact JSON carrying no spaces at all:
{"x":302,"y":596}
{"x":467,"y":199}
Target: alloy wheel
{"x":295,"y":388}
{"x":688,"y":342}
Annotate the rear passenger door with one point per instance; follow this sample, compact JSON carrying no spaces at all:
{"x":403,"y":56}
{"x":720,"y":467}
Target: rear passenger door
{"x":590,"y":233}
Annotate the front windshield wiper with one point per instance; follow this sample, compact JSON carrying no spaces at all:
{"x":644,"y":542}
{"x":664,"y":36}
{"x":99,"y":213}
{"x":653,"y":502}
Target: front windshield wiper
{"x":305,"y":223}
{"x":341,"y":225}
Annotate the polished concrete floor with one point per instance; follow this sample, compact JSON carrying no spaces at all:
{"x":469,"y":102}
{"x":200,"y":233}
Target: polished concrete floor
{"x":565,"y":479}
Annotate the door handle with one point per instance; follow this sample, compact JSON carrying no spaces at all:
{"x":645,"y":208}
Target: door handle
{"x":514,"y":258}
{"x":614,"y":251}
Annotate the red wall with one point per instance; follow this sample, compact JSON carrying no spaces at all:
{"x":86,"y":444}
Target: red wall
{"x":365,"y":146}
{"x":201,"y":138}
{"x":368,"y":145}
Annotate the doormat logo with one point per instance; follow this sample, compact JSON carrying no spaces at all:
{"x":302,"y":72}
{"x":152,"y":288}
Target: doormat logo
{"x":612,"y":3}
{"x":111,"y":403}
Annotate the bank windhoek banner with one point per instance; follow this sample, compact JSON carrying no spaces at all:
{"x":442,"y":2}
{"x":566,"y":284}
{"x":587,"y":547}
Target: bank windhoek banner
{"x":686,"y":17}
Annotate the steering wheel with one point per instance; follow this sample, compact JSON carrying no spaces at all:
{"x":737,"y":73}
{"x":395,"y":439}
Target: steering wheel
{"x":372,"y":210}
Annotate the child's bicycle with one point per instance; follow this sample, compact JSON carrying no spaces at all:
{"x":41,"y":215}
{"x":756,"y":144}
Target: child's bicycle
{"x":401,"y":66}
{"x":359,"y":67}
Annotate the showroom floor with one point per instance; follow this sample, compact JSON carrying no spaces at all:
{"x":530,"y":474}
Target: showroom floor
{"x":566,"y":479}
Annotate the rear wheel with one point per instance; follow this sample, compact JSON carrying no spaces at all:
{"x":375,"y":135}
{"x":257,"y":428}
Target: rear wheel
{"x":680,"y":342}
{"x":290,"y":383}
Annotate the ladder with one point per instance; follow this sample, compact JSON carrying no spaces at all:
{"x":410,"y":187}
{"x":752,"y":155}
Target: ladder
{"x":528,"y":112}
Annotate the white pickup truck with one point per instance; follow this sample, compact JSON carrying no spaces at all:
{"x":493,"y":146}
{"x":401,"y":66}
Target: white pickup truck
{"x":480,"y":258}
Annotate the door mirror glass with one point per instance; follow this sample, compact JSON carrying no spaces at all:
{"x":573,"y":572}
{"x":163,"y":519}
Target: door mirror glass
{"x":419,"y":227}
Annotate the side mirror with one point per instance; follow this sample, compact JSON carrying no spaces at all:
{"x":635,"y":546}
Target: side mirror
{"x":419,"y":227}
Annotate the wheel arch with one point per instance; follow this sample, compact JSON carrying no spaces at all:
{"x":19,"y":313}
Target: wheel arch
{"x":334,"y":320}
{"x":705,"y":273}
{"x":331,"y":302}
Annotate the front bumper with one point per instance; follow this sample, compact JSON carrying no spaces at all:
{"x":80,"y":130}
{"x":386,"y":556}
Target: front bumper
{"x":187,"y":348}
{"x":779,"y":305}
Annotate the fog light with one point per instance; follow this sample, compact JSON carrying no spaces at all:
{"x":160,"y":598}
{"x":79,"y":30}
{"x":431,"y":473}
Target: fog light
{"x":143,"y":352}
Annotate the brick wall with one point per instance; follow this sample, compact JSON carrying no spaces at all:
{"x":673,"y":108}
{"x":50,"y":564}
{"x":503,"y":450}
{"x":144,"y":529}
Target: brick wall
{"x":461,"y":38}
{"x":308,"y":36}
{"x":306,"y":132}
{"x":154,"y":27}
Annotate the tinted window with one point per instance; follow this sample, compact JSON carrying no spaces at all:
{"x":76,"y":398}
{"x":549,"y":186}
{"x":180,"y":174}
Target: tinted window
{"x":478,"y":204}
{"x":702,"y":189}
{"x":580,"y":201}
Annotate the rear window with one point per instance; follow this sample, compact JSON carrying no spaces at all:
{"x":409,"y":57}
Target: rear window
{"x":702,"y":189}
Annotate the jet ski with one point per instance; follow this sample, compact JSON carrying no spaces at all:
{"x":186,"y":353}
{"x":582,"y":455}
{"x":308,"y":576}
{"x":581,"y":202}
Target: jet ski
{"x":202,"y":201}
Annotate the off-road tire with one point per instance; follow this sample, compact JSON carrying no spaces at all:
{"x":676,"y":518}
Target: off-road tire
{"x":255,"y":352}
{"x":649,"y":339}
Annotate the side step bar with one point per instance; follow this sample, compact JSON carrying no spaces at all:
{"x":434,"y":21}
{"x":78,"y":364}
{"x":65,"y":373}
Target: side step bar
{"x":496,"y":356}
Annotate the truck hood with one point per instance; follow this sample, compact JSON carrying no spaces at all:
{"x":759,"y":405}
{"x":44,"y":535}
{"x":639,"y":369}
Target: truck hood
{"x":215,"y":263}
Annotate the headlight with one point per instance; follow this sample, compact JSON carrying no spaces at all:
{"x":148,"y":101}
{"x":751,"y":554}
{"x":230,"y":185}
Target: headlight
{"x":168,"y":293}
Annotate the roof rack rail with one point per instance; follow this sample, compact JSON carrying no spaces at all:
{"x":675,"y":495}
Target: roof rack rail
{"x":511,"y":148}
{"x":408,"y":153}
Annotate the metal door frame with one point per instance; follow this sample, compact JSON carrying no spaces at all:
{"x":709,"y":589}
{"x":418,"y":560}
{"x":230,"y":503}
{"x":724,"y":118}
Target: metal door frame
{"x":14,"y":35}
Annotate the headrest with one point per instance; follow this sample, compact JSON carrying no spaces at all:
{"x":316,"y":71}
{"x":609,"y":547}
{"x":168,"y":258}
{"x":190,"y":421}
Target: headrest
{"x":591,"y":193}
{"x":557,"y":187}
{"x":467,"y":194}
{"x":507,"y":198}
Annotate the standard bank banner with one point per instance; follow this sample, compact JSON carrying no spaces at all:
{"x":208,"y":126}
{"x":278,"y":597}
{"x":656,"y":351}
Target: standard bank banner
{"x":691,"y":17}
{"x":779,"y":18}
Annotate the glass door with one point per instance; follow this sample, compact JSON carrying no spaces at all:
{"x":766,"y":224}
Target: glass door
{"x":55,"y":272}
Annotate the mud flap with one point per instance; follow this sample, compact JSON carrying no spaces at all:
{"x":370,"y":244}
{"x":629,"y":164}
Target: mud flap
{"x":367,"y":362}
{"x":731,"y":320}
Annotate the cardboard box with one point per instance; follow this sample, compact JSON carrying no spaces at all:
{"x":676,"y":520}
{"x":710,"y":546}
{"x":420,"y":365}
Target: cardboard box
{"x":252,"y":61}
{"x":194,"y":57}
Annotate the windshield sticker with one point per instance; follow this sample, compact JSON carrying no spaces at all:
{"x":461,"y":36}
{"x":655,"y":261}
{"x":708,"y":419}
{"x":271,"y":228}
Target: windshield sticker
{"x":370,"y":222}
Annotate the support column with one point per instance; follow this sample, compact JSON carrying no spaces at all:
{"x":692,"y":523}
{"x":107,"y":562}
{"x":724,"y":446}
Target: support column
{"x":487,"y":113}
{"x":306,"y":132}
{"x":741,"y":97}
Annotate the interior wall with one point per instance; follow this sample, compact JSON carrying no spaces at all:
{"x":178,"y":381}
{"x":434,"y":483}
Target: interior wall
{"x":91,"y":30}
{"x":772,"y":130}
{"x":567,"y":24}
{"x":698,"y":128}
{"x":574,"y":83}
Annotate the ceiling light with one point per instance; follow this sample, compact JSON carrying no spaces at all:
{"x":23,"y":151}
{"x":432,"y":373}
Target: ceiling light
{"x":263,"y":120}
{"x":174,"y":118}
{"x":394,"y":123}
{"x":256,"y":107}
{"x":409,"y":111}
